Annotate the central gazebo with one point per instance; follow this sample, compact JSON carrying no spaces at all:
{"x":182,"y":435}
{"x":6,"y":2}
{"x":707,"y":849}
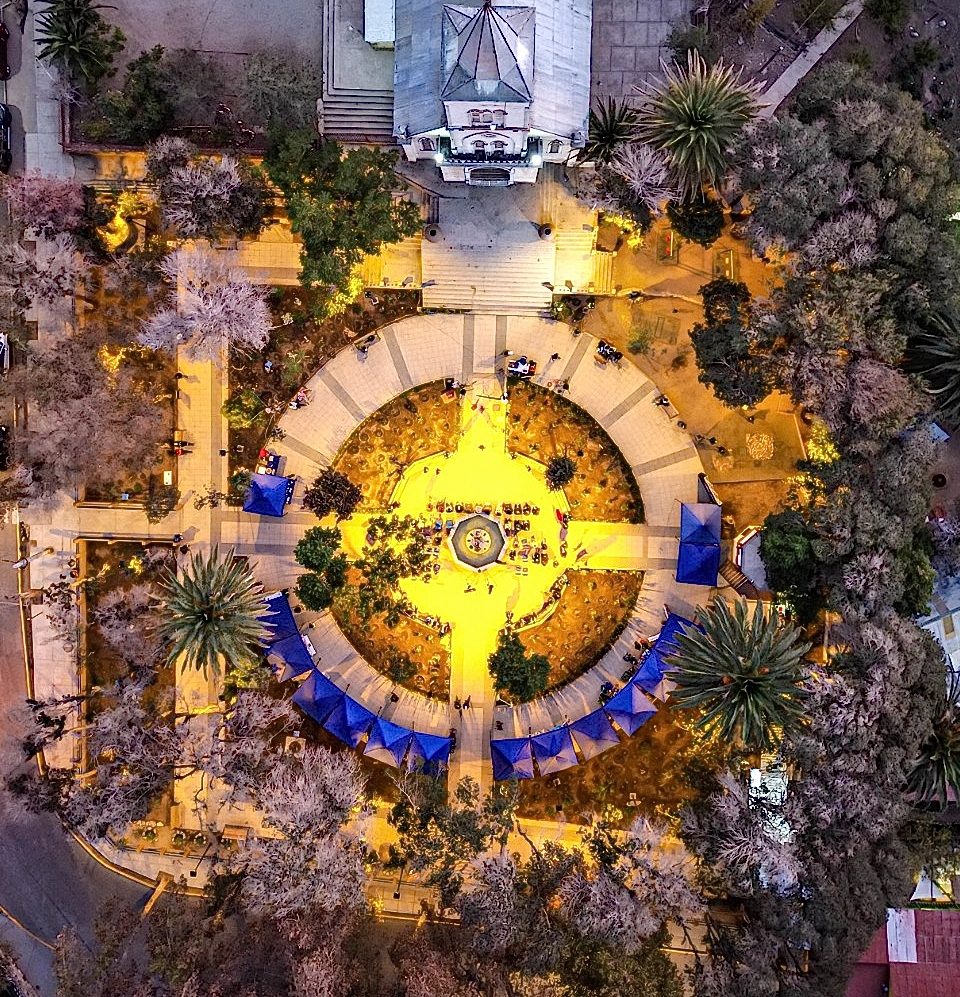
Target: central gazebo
{"x":477,"y":541}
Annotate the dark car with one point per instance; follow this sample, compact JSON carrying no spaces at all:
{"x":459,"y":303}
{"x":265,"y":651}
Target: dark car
{"x":6,"y":141}
{"x":5,"y":73}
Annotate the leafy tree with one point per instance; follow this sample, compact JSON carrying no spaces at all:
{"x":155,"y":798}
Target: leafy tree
{"x":694,"y":115}
{"x":787,"y":550}
{"x":161,"y":501}
{"x":612,"y":124}
{"x":280,"y":89}
{"x":210,"y":615}
{"x":560,"y":471}
{"x":74,"y":36}
{"x":440,"y":834}
{"x":732,"y":354}
{"x":332,"y":491}
{"x":205,"y":196}
{"x":318,"y":550}
{"x":216,"y":308}
{"x":340,"y":203}
{"x":244,"y":409}
{"x":891,"y":14}
{"x":699,"y":218}
{"x":516,"y":672}
{"x":142,"y":108}
{"x":935,"y":776}
{"x":747,"y":675}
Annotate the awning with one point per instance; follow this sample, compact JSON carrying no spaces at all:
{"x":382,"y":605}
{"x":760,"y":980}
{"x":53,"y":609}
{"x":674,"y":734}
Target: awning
{"x":593,"y":734}
{"x":698,"y":564}
{"x":629,"y":708}
{"x":512,"y":758}
{"x":266,"y":495}
{"x":553,"y":751}
{"x":283,"y":640}
{"x":349,"y":721}
{"x":649,"y":676}
{"x":318,"y":696}
{"x":700,"y":523}
{"x":278,"y":619}
{"x":293,"y":656}
{"x":429,"y":752}
{"x":388,"y":742}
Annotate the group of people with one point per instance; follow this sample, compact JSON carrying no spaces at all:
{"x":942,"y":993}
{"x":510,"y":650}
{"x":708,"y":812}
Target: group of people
{"x":606,"y":352}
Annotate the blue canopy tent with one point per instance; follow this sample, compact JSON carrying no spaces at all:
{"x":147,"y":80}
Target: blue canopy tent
{"x":283,"y":639}
{"x":593,"y":734}
{"x":700,"y":523}
{"x":512,"y":758}
{"x":267,"y":495}
{"x":553,"y":751}
{"x":649,"y":676}
{"x":349,"y":721}
{"x":318,"y":696}
{"x":429,"y":752}
{"x":388,"y":742}
{"x":698,"y":562}
{"x":673,"y":625}
{"x":629,"y":708}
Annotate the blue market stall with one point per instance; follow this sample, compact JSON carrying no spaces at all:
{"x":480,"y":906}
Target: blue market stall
{"x":698,"y":562}
{"x":268,"y":494}
{"x":512,"y":758}
{"x":283,"y":643}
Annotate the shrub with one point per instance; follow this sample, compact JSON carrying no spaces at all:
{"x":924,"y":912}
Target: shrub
{"x":699,"y":219}
{"x":74,"y":36}
{"x":330,"y":492}
{"x":560,"y":471}
{"x":891,"y":14}
{"x":685,"y":38}
{"x":816,"y":14}
{"x":243,"y":409}
{"x":517,"y":673}
{"x":314,"y":592}
{"x":142,"y":108}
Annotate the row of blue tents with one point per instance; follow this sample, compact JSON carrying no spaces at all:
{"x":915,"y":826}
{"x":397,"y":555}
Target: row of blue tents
{"x":350,"y":721}
{"x":591,"y":735}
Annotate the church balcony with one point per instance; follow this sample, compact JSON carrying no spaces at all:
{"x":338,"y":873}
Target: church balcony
{"x":533,"y":156}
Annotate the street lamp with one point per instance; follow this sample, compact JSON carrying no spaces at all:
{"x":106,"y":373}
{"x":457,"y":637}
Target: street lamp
{"x":24,"y":561}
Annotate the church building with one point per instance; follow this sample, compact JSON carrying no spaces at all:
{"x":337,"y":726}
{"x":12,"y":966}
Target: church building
{"x":492,"y":92}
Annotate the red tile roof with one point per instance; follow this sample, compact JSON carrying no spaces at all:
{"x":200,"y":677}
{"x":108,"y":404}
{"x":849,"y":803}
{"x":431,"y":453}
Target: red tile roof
{"x":924,"y":980}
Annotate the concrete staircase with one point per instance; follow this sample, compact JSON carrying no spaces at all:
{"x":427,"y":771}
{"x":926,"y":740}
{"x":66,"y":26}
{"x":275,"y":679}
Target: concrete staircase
{"x":352,"y":115}
{"x":574,"y":258}
{"x":507,"y":277}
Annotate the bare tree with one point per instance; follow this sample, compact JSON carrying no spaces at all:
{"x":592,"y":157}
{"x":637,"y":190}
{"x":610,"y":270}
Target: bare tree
{"x":46,"y":205}
{"x":216,"y":308}
{"x":646,"y":173}
{"x":52,"y":271}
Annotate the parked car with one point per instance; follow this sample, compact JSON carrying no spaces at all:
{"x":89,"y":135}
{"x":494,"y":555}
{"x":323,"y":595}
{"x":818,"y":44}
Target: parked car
{"x":6,"y":140}
{"x":5,"y":73}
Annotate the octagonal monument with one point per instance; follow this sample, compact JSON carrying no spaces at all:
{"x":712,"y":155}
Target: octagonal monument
{"x":477,"y":541}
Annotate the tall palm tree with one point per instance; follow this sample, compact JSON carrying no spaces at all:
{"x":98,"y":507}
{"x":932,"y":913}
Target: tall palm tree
{"x":936,"y":771}
{"x":693,"y":116}
{"x":745,"y":674}
{"x":612,"y":123}
{"x":210,"y":613}
{"x":934,"y":354}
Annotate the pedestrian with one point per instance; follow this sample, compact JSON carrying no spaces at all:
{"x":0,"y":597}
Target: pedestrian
{"x":177,"y":538}
{"x":681,"y":424}
{"x":507,"y":353}
{"x":565,"y":386}
{"x":490,"y":588}
{"x":466,"y":703}
{"x":438,"y":470}
{"x":712,"y":440}
{"x":554,"y":356}
{"x":179,"y":376}
{"x":457,"y":705}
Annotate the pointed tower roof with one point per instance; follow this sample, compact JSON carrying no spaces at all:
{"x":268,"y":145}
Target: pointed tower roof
{"x":488,"y":53}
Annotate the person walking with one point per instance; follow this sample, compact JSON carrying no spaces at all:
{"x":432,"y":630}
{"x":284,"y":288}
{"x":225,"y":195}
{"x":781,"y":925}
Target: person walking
{"x":554,"y":356}
{"x":466,"y":703}
{"x":490,"y":588}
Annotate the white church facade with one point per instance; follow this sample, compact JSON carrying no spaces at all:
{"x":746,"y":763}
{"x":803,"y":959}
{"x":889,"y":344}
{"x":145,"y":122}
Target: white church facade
{"x":491,"y":92}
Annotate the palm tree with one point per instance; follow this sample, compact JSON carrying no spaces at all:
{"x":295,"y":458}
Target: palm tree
{"x":934,"y":354}
{"x":936,"y":770}
{"x":73,"y":34}
{"x":210,"y":614}
{"x":612,"y":123}
{"x":693,"y":116}
{"x":746,"y":675}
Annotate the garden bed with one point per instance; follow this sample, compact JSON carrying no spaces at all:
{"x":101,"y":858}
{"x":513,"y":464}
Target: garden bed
{"x":381,"y":646}
{"x":543,"y":425}
{"x":667,"y":763}
{"x":413,"y":425}
{"x":591,"y":614}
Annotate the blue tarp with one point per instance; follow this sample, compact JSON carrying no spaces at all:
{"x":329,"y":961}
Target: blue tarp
{"x":553,"y":751}
{"x":430,"y":752}
{"x":317,"y":696}
{"x":267,"y":495}
{"x":700,"y":523}
{"x":512,"y":758}
{"x":278,"y":619}
{"x":673,"y":625}
{"x":630,"y":708}
{"x":388,"y":742}
{"x":698,"y":564}
{"x":295,"y":657}
{"x":349,"y":721}
{"x":650,"y":674}
{"x":593,"y":734}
